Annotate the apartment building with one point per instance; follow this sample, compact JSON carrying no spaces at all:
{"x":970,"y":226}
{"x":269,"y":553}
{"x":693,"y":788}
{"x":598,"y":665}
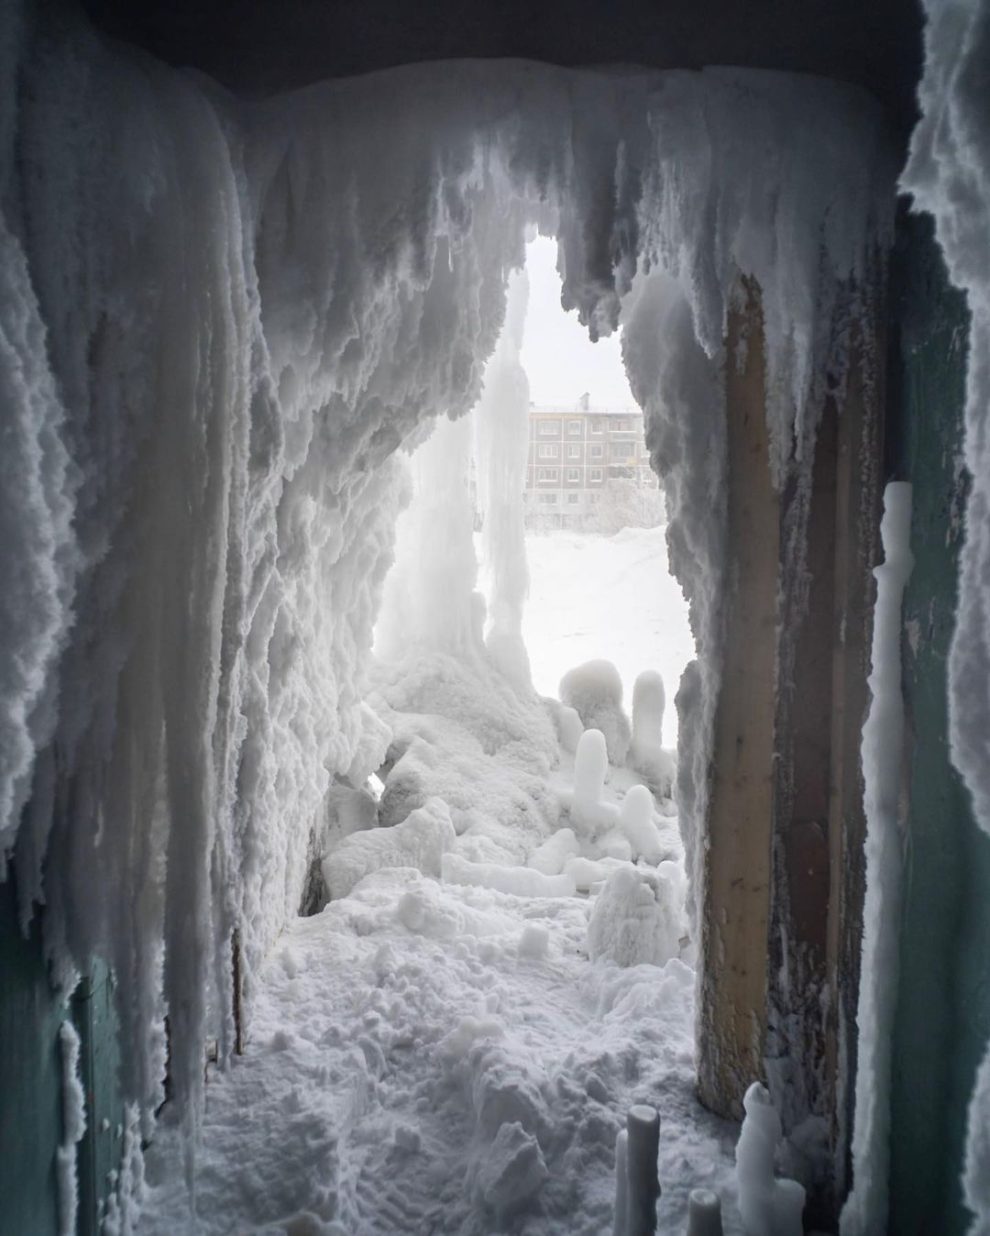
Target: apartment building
{"x":576,"y":454}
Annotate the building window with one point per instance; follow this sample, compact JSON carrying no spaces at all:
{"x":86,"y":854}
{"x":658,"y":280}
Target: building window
{"x":597,"y":451}
{"x":573,"y":474}
{"x":621,"y":425}
{"x":573,"y":452}
{"x":549,"y":474}
{"x":594,"y":499}
{"x":574,"y":428}
{"x":549,"y":429}
{"x":547,"y":452}
{"x":596,"y":424}
{"x":573,"y":499}
{"x":623,"y":450}
{"x":549,"y":499}
{"x":595,"y":474}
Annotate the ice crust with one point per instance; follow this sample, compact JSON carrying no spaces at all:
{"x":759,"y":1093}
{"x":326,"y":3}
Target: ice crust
{"x":203,"y":405}
{"x":865,"y":1210}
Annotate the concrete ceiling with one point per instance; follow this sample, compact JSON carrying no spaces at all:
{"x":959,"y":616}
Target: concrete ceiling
{"x":261,"y":46}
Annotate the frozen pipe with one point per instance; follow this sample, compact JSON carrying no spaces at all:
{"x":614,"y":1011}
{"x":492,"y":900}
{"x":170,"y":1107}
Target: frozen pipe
{"x":768,"y":1207}
{"x":704,"y":1213}
{"x":621,"y":1224}
{"x":642,"y":1181}
{"x":590,"y":767}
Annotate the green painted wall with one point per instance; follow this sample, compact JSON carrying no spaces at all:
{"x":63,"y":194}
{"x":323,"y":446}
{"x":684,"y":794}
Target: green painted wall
{"x":30,"y":1080}
{"x":31,"y":1084}
{"x":943,"y":1014}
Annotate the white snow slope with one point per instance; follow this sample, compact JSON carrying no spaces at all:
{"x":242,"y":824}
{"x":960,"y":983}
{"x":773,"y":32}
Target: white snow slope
{"x":612,"y":597}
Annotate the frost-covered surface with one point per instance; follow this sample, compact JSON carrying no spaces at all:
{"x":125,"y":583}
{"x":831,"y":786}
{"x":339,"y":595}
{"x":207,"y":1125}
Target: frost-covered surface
{"x":73,"y":1127}
{"x":865,"y":1211}
{"x":949,"y":175}
{"x":767,"y":1205}
{"x":202,"y":405}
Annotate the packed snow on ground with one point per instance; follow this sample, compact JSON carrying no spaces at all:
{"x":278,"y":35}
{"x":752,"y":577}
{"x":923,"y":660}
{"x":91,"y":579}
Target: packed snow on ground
{"x":594,"y":596}
{"x":453,"y":1043}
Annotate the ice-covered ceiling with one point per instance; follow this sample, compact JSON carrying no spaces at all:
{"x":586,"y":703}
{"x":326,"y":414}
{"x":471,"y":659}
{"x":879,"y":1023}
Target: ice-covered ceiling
{"x":268,"y":45}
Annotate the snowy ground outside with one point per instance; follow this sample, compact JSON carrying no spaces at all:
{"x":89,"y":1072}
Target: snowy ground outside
{"x":612,"y":597}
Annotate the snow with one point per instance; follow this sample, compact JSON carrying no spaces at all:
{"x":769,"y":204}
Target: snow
{"x":421,"y":840}
{"x":865,"y":1210}
{"x":210,"y":405}
{"x":768,"y":1206}
{"x":427,"y":1073}
{"x":638,"y":917}
{"x":948,"y":173}
{"x":592,"y":597}
{"x":594,"y":691}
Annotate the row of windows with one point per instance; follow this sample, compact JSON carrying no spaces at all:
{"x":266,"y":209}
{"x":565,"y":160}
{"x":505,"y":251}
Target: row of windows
{"x":618,"y":450}
{"x":551,"y":428}
{"x":572,"y":499}
{"x":574,"y":452}
{"x":573,"y":474}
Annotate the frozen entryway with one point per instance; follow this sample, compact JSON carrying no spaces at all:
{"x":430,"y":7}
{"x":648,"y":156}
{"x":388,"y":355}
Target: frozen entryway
{"x":503,"y":965}
{"x":218,"y":407}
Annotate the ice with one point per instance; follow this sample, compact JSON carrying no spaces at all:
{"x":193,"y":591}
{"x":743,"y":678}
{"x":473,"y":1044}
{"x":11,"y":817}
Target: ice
{"x":769,"y":1207}
{"x":636,"y":821}
{"x":590,"y":767}
{"x":73,"y":1127}
{"x":516,"y":881}
{"x":866,"y":1208}
{"x":594,"y":691}
{"x":570,"y":728}
{"x":551,"y":856}
{"x":419,"y":841}
{"x":210,"y":404}
{"x":637,"y":918}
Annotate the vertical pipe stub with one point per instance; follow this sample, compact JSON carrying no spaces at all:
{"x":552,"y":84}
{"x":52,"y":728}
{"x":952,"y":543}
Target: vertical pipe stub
{"x":643,"y":1127}
{"x":704,"y":1213}
{"x":621,"y":1220}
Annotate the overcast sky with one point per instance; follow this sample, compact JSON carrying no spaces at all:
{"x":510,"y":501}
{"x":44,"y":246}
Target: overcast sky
{"x":560,"y":360}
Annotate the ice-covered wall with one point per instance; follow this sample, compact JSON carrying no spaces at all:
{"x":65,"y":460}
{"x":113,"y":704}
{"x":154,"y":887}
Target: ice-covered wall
{"x":948,"y":173}
{"x":218,"y":320}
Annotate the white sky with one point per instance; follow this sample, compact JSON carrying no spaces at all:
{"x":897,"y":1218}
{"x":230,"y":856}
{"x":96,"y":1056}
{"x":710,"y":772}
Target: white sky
{"x":559,"y":358}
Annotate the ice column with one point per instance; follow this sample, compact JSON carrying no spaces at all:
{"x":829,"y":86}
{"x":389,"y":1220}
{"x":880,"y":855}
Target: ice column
{"x":768,"y":1207}
{"x":73,"y":1127}
{"x":883,"y":734}
{"x":501,"y":441}
{"x":649,"y":701}
{"x":637,"y":1186}
{"x":590,"y":767}
{"x":430,"y":599}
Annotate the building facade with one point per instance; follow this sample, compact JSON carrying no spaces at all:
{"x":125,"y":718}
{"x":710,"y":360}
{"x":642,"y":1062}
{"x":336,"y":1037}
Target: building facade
{"x":576,"y":455}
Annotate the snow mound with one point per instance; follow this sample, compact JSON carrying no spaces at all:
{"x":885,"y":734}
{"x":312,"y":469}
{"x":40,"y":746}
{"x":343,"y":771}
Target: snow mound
{"x":419,"y":841}
{"x":638,"y":917}
{"x":594,"y":691}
